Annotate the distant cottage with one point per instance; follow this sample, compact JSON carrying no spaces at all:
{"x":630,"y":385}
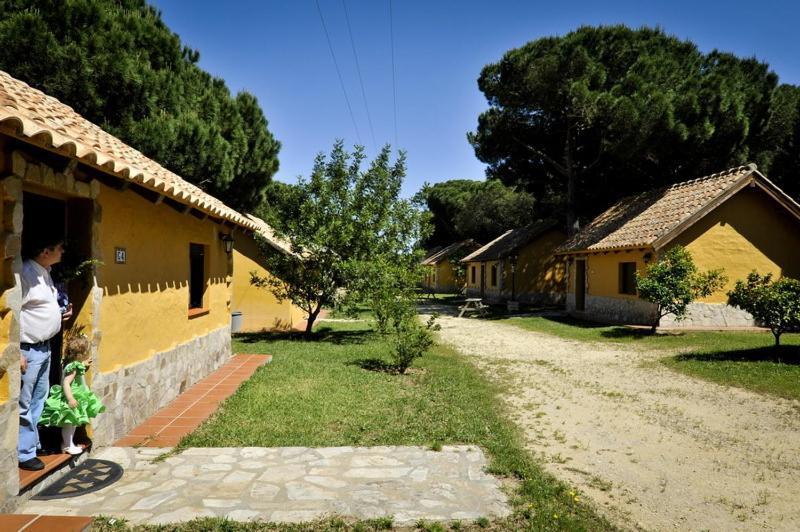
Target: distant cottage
{"x":443,"y":273}
{"x":737,"y":220}
{"x":519,"y":266}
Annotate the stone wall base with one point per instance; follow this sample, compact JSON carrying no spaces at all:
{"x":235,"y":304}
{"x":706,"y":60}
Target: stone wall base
{"x":638,"y":312}
{"x":710,"y":315}
{"x":613,"y":310}
{"x":134,"y":393}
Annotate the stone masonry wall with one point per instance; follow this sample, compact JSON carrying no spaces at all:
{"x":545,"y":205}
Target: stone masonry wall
{"x":10,"y":304}
{"x":711,"y":315}
{"x":134,"y":393}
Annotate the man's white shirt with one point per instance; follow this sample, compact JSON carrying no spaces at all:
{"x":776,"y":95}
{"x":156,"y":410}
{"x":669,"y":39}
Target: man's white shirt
{"x":41,"y":316}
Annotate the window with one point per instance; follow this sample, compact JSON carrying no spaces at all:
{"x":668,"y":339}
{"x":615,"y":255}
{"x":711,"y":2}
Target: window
{"x":494,"y":275}
{"x":197,"y":275}
{"x":627,"y":278}
{"x":472,"y":274}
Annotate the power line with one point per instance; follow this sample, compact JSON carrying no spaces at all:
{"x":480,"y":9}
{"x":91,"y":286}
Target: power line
{"x":360,"y":79}
{"x":338,"y":72}
{"x":394,"y":82}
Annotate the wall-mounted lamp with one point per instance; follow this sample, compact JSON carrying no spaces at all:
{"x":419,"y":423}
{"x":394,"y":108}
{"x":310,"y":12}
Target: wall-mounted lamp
{"x":647,"y":257}
{"x":228,"y":241}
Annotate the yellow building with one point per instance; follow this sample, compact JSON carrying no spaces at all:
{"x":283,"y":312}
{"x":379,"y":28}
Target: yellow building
{"x":736,"y":220}
{"x":158,"y":308}
{"x":259,"y":308}
{"x":519,"y":266}
{"x":442,"y":269}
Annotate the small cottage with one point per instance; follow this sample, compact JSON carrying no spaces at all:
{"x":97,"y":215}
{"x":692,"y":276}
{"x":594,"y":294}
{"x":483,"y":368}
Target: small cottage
{"x":157,"y":310}
{"x":443,"y":272}
{"x":737,"y":220}
{"x":519,"y":266}
{"x":260,"y":309}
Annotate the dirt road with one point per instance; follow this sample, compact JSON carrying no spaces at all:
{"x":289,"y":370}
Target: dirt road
{"x":653,"y":448}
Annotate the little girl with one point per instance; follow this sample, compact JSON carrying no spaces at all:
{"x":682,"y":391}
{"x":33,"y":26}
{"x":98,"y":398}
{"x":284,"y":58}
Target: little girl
{"x":72,"y":404}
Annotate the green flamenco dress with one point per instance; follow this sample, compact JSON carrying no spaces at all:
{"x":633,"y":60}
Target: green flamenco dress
{"x":57,"y":412}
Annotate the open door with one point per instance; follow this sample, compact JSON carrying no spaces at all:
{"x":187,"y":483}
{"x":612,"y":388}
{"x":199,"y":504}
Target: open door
{"x":580,"y":285}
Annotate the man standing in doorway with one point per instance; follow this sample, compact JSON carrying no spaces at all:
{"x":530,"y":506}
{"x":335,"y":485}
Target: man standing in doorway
{"x":40,"y":320}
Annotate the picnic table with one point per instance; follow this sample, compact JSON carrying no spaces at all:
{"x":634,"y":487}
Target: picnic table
{"x":473,"y":305}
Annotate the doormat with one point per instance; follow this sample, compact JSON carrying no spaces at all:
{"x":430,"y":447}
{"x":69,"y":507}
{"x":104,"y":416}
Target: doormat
{"x":90,"y":476}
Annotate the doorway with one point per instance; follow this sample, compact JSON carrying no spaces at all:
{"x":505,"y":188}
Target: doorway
{"x":71,"y":220}
{"x":580,"y":285}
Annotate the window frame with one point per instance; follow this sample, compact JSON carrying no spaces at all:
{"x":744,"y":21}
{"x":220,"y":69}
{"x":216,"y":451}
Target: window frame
{"x":194,"y":309}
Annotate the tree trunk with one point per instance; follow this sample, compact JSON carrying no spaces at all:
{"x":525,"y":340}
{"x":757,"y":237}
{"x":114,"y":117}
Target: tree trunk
{"x":569,"y":168}
{"x":312,"y":316}
{"x":777,"y":335}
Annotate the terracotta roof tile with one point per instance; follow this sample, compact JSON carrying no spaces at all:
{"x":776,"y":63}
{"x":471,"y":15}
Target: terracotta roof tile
{"x":510,"y":241}
{"x":642,"y":219}
{"x":34,"y":114}
{"x":440,"y":254}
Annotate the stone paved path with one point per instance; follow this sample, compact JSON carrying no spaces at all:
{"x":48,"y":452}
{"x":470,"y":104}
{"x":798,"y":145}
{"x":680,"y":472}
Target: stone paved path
{"x":291,"y":484}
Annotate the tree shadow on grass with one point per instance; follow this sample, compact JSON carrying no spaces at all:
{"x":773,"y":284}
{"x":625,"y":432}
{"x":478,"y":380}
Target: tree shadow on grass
{"x":321,"y":334}
{"x":784,"y":354}
{"x":376,"y":364}
{"x":621,"y":331}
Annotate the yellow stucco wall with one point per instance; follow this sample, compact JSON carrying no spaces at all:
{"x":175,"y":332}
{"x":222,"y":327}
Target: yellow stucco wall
{"x":446,"y":277}
{"x":260,"y":309}
{"x":538,"y":271}
{"x":748,"y":232}
{"x":602,"y":272}
{"x":144,"y":309}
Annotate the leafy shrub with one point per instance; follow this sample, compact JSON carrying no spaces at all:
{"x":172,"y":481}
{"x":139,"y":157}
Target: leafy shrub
{"x":412,"y":340}
{"x":774,"y":304}
{"x":673,"y":282}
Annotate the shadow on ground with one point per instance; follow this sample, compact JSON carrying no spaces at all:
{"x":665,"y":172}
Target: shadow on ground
{"x":376,"y":364}
{"x":784,"y":354}
{"x":321,"y":334}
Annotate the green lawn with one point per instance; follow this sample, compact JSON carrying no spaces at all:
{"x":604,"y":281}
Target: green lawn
{"x":319,"y":393}
{"x":735,"y":358}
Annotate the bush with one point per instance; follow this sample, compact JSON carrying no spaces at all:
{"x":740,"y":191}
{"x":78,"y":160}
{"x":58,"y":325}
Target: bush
{"x":774,"y":304}
{"x":412,"y":340}
{"x":673,"y":282}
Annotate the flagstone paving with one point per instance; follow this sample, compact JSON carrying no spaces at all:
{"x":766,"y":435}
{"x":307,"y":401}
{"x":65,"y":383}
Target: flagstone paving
{"x":292,"y":484}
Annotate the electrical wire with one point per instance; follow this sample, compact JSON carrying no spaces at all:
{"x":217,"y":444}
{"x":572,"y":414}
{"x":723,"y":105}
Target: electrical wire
{"x":338,"y":72}
{"x":394,"y":81}
{"x":360,"y":79}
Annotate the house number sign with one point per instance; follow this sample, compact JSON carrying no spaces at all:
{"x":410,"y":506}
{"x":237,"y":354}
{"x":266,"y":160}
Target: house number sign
{"x":120,"y":256}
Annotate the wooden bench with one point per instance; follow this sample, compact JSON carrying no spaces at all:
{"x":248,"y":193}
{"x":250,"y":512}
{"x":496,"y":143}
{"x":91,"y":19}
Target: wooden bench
{"x":473,"y":305}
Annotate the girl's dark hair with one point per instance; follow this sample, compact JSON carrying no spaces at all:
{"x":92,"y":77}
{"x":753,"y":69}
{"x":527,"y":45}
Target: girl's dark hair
{"x":76,"y":345}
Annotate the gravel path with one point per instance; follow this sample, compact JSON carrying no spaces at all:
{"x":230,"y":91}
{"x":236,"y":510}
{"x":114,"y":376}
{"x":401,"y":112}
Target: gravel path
{"x":653,"y":448}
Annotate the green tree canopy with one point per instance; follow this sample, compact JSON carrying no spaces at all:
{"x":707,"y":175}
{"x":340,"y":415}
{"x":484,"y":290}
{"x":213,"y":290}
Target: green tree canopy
{"x":673,"y":282}
{"x":117,"y":64}
{"x":584,"y":119}
{"x":774,"y":304}
{"x":481,"y":210}
{"x":353,"y":236}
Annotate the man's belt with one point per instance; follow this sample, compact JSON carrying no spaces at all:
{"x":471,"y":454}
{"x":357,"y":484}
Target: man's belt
{"x":37,"y":345}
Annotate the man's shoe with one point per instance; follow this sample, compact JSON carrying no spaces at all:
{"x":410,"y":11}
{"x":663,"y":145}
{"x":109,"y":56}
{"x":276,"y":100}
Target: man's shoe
{"x":34,"y":464}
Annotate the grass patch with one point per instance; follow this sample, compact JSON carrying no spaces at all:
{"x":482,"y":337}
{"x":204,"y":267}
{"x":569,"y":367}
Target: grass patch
{"x":746,"y":359}
{"x":764,"y":369}
{"x":317,"y":393}
{"x":706,"y":341}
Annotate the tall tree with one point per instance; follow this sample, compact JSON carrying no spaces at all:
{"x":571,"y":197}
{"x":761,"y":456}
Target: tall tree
{"x":116,"y":63}
{"x":353,"y":235}
{"x":481,"y":210}
{"x":601,"y":112}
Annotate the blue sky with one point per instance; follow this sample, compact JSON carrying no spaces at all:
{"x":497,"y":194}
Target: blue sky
{"x":278,"y":51}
